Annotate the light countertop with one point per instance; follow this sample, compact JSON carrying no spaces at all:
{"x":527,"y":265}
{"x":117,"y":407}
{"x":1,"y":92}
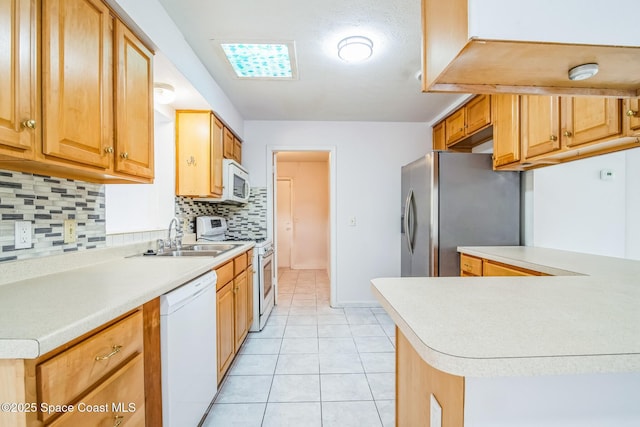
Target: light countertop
{"x":586,"y":320}
{"x":41,"y":312}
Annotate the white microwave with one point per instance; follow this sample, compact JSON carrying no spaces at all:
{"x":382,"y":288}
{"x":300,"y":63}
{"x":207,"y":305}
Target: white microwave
{"x":235,"y":180}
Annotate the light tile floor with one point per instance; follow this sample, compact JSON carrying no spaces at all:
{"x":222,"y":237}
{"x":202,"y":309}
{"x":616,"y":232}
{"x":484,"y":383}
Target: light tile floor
{"x":312,"y":365}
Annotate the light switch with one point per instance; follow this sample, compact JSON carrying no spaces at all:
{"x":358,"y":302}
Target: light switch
{"x":70,"y":231}
{"x":436,"y":412}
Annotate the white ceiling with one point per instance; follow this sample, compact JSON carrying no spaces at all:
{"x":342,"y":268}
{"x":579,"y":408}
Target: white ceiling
{"x":384,"y":88}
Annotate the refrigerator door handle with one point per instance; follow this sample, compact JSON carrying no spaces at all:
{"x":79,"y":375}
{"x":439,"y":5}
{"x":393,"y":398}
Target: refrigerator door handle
{"x":408,"y":221}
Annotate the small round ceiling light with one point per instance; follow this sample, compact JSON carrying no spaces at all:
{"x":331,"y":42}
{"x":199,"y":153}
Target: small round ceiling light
{"x":355,"y":48}
{"x":163,"y":93}
{"x":583,"y":72}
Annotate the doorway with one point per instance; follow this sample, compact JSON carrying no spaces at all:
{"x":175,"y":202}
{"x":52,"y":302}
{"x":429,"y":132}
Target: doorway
{"x":303,"y":213}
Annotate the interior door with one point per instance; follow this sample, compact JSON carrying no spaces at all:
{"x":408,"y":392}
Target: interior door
{"x":285,"y":222}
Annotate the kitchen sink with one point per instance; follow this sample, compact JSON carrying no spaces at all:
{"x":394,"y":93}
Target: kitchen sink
{"x":184,"y":252}
{"x":211,"y":247}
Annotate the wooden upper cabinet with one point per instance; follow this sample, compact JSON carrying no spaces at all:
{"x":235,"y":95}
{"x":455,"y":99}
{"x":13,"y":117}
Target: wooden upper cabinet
{"x":198,"y":154}
{"x":217,"y":129}
{"x":237,"y":150}
{"x":193,"y":141}
{"x":455,"y":127}
{"x":590,"y":119}
{"x":506,"y":129}
{"x":133,"y":104}
{"x":469,"y":47}
{"x":439,"y":142}
{"x":478,"y":114}
{"x":540,"y":125}
{"x":18,"y":106}
{"x":77,"y":81}
{"x":228,"y":144}
{"x":632,"y":116}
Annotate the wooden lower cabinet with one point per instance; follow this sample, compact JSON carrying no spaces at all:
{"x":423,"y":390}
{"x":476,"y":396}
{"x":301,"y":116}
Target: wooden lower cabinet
{"x":119,"y":400}
{"x":240,"y":308}
{"x":249,"y":296}
{"x":97,"y":379}
{"x":234,"y":309}
{"x":416,"y":380}
{"x":471,"y":266}
{"x":224,"y":328}
{"x":490,"y":268}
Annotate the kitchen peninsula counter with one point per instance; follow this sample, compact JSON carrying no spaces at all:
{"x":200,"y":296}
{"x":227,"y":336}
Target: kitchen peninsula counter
{"x":47,"y":302}
{"x":585,"y":321}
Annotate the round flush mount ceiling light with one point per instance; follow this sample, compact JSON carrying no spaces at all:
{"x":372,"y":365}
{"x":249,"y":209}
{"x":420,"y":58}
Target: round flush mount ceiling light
{"x":163,"y":93}
{"x":583,"y":72}
{"x":355,"y":48}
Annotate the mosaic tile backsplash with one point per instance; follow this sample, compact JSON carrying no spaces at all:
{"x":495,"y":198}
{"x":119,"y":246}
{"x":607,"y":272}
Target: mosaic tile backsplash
{"x":46,"y":202}
{"x":243,"y":221}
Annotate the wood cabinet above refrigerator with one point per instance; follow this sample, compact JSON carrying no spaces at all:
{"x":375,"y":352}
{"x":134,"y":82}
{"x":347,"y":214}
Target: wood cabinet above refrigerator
{"x":502,"y":46}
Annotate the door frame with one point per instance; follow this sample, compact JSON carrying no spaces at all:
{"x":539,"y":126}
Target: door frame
{"x":275,"y":219}
{"x":272,"y":216}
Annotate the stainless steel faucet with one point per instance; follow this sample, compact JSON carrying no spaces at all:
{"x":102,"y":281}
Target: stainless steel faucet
{"x":177,"y":241}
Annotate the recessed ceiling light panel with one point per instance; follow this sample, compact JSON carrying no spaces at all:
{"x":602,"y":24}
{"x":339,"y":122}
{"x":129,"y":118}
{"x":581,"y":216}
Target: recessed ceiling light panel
{"x":261,"y":60}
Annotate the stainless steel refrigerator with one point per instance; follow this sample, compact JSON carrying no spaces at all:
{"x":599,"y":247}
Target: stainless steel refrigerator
{"x":455,"y":199}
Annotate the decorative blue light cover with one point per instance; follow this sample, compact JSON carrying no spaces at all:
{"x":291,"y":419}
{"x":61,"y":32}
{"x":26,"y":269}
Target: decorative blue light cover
{"x":253,"y":60}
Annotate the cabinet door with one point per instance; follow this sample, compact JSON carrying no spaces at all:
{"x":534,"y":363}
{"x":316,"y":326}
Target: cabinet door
{"x":540,"y":125}
{"x":228,"y":144}
{"x":77,"y":81}
{"x":490,"y":268}
{"x":224,"y":328}
{"x":192,"y":151}
{"x":240,"y":308}
{"x":455,"y":127}
{"x":439,"y":142}
{"x":506,"y":129}
{"x":632,"y":114}
{"x":237,"y":150}
{"x":134,"y":104}
{"x":215,"y":175}
{"x":589,"y":119}
{"x":17,"y":78}
{"x":478,"y":114}
{"x":250,"y":294}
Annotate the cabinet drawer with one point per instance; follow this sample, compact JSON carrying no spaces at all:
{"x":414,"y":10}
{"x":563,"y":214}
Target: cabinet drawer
{"x":120,"y":398}
{"x":494,"y":269}
{"x":225,"y":275}
{"x":240,"y":263}
{"x":250,"y":257}
{"x":63,"y":378}
{"x":470,"y":265}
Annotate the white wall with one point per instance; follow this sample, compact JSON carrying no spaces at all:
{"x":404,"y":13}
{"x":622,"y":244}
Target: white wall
{"x":573,"y":209}
{"x":632,"y":243}
{"x":368,"y":160}
{"x":146,"y":207}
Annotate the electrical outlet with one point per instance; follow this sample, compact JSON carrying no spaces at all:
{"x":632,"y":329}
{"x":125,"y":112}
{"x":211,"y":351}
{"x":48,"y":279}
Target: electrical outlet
{"x":23,"y":234}
{"x":352,"y":221}
{"x":70,"y":230}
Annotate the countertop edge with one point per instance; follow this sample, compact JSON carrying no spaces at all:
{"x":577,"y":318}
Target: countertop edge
{"x":505,"y":367}
{"x":34,"y":347}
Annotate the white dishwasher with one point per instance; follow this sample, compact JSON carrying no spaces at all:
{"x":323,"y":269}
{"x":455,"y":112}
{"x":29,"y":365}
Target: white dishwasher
{"x":188,"y":343}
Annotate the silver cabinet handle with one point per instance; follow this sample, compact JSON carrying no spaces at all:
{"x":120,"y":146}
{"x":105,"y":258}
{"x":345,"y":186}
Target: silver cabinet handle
{"x":118,"y":420}
{"x":31,"y":124}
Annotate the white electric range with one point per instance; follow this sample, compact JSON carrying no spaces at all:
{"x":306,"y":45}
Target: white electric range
{"x":214,"y":229}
